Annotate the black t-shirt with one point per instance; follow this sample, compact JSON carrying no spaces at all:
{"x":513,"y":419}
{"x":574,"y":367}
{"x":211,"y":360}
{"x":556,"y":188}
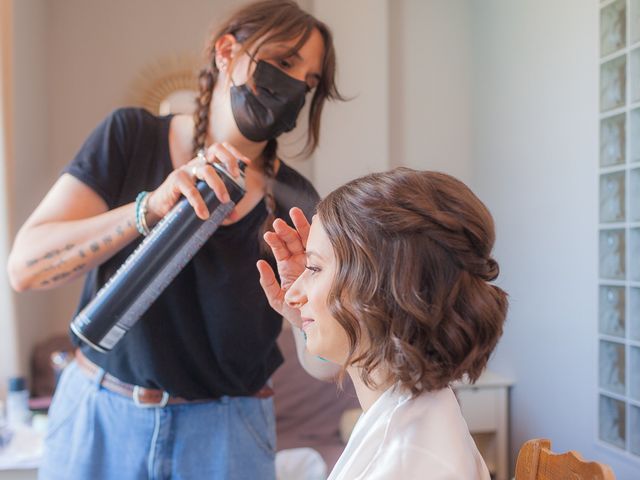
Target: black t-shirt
{"x":212,"y":331}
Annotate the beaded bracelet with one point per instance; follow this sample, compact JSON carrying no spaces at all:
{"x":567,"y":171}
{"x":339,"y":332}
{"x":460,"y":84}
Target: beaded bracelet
{"x":141,"y":213}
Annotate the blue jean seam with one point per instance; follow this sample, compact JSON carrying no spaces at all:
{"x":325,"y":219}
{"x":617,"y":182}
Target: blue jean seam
{"x":69,"y":412}
{"x":154,"y":439}
{"x":262,"y":443}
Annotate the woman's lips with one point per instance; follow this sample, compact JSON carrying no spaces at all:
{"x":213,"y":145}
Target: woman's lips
{"x":306,"y":322}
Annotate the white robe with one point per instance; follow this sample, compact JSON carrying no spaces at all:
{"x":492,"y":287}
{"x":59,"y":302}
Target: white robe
{"x":406,"y":438}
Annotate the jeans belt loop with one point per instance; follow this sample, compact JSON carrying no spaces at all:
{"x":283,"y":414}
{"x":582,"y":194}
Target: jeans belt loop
{"x":136,"y":399}
{"x":98,"y":377}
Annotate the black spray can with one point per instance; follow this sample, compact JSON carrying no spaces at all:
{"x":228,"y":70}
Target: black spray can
{"x":153,"y":265}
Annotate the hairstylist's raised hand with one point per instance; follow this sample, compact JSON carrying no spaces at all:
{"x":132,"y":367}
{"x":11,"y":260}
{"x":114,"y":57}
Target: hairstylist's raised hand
{"x":288,"y":247}
{"x":181,"y":182}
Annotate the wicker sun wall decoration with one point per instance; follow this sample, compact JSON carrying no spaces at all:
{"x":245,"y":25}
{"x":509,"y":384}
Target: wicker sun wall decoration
{"x":167,"y":86}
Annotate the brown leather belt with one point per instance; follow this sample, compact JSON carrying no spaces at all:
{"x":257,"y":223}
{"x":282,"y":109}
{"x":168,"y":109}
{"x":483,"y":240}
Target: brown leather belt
{"x":145,"y":397}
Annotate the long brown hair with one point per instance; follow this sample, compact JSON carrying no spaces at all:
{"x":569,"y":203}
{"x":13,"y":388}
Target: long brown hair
{"x":413,"y":256}
{"x":255,"y":25}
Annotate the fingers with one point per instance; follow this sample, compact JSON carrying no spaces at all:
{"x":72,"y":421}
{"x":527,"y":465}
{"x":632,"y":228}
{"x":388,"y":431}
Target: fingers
{"x":181,"y":181}
{"x":184,"y":185}
{"x":228,"y":155}
{"x":270,"y":285}
{"x":267,"y":276}
{"x":208,"y":173}
{"x":286,"y":242}
{"x":289,"y":236}
{"x":278,"y":247}
{"x":197,"y":171}
{"x":224,"y":153}
{"x":301,"y":223}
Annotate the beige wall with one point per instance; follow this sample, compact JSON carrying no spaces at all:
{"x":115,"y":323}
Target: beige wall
{"x":30,"y":168}
{"x":8,"y":344}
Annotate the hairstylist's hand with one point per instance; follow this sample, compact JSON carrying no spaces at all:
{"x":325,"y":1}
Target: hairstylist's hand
{"x":288,"y":247}
{"x":183,"y":179}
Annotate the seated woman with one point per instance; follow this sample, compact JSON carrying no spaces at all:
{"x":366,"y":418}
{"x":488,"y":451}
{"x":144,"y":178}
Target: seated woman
{"x":391,"y":284}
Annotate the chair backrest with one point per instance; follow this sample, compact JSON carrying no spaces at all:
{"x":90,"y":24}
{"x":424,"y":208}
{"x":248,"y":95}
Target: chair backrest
{"x":536,"y":461}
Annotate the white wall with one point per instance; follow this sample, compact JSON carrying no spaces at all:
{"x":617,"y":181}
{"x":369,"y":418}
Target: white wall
{"x":355,"y":134}
{"x":430,"y":86}
{"x":535,"y":157}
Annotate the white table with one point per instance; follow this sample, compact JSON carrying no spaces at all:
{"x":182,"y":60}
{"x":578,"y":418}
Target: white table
{"x":20,"y":459}
{"x":485,"y":407}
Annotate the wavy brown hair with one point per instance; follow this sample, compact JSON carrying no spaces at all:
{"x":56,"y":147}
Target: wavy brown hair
{"x":413,"y":256}
{"x":254,"y":26}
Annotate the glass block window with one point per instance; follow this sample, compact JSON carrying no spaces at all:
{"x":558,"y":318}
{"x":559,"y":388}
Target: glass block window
{"x":619,"y":227}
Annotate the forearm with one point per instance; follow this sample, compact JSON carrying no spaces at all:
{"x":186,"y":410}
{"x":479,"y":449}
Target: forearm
{"x":314,"y":366}
{"x":51,"y":254}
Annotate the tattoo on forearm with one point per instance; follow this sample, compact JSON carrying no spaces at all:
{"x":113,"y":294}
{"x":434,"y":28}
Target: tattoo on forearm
{"x":62,"y":275}
{"x":120,"y":231}
{"x":81,"y":253}
{"x":50,"y":255}
{"x":54,"y":266}
{"x":94,"y":247}
{"x":107,"y":240}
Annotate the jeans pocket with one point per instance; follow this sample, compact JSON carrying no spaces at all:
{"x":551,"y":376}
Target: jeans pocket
{"x":72,"y":389}
{"x":259,"y":421}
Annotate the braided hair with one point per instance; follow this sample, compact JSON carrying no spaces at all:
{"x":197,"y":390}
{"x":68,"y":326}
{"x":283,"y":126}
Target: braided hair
{"x":253,"y":26}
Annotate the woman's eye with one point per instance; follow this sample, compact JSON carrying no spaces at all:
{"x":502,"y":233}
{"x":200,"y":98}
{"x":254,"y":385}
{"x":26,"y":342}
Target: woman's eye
{"x":285,"y":63}
{"x":312,"y":268}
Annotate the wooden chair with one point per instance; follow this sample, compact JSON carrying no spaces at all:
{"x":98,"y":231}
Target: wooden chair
{"x":536,"y":461}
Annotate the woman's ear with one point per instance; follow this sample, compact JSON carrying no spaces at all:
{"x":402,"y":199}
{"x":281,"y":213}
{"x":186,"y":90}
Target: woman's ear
{"x":225,"y":48}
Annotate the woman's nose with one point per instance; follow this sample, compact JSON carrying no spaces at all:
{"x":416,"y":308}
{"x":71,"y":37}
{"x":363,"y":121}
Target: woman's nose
{"x":295,"y":297}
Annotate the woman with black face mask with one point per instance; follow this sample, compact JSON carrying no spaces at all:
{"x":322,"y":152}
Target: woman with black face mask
{"x":185,"y":393}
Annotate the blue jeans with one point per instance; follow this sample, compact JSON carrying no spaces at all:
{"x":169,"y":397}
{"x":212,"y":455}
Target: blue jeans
{"x":100,"y":435}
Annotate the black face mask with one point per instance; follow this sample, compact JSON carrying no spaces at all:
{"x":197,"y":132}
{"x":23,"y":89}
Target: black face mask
{"x":275,"y":106}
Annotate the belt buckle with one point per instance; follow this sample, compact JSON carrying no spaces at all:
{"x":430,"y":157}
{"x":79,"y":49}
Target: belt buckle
{"x":136,"y":399}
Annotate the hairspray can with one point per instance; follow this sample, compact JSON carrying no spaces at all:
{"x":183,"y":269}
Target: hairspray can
{"x":153,"y":265}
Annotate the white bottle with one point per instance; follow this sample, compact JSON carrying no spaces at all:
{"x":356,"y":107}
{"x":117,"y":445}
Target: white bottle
{"x":18,"y":413}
